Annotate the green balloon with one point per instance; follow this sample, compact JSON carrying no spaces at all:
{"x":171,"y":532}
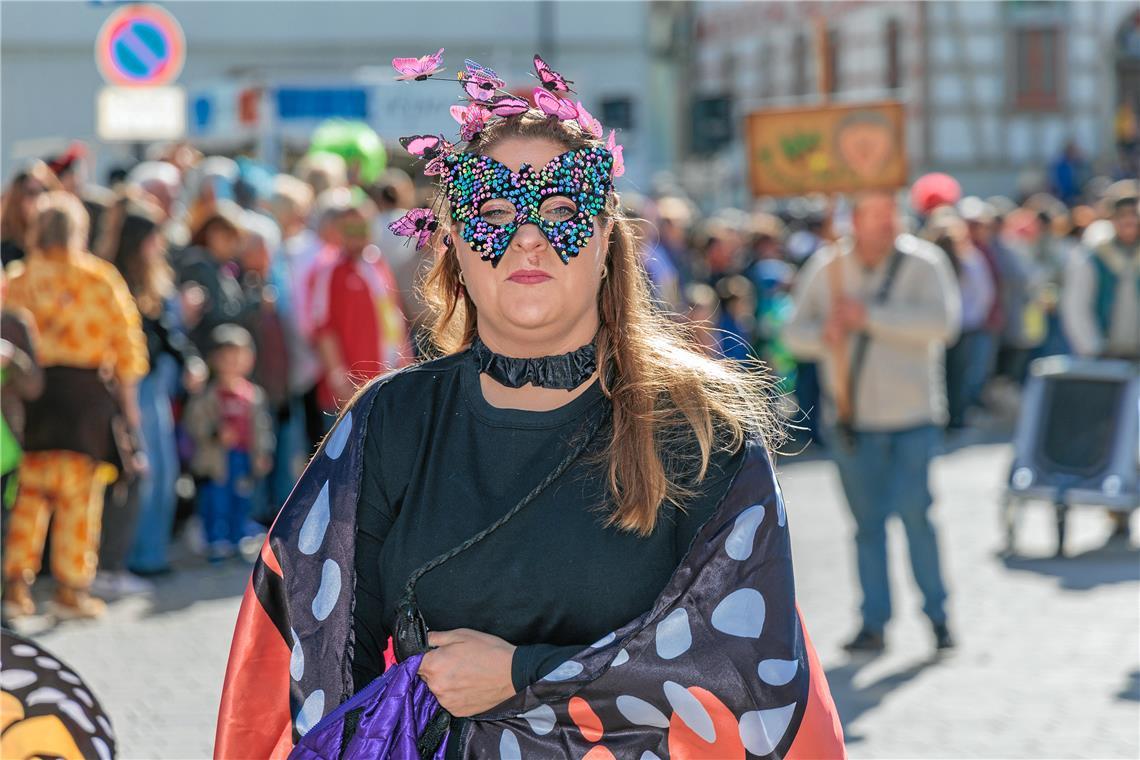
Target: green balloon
{"x":355,"y":142}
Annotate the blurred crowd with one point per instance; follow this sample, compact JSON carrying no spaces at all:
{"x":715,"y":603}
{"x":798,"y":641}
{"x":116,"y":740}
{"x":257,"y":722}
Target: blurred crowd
{"x":177,"y":342}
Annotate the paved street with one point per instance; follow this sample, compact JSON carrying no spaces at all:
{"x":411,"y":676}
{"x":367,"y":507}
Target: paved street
{"x":1047,"y":665}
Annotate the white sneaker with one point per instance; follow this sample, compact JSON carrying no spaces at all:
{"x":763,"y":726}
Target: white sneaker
{"x":130,"y":584}
{"x":194,"y":534}
{"x":250,"y":547}
{"x":113,"y":585}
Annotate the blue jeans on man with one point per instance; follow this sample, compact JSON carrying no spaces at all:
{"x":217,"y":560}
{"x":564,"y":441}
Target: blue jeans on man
{"x":885,"y":473}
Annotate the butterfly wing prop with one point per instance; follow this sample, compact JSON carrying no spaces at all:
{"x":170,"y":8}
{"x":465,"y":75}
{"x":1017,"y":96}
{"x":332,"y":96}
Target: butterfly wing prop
{"x":419,"y":223}
{"x":587,"y":122}
{"x":507,"y":105}
{"x":418,"y":68}
{"x":479,"y":82}
{"x":721,"y":665}
{"x":552,"y":105}
{"x":615,"y":151}
{"x":551,"y":79}
{"x":423,"y":146}
{"x":472,"y":118}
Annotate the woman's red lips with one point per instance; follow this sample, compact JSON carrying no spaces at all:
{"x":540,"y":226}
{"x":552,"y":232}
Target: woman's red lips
{"x":529,"y":276}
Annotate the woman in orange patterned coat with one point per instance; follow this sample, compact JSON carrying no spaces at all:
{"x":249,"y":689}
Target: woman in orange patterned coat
{"x":93,"y":353}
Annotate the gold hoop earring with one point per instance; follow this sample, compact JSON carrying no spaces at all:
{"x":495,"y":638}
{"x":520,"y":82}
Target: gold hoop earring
{"x":462,"y":281}
{"x":605,"y":270}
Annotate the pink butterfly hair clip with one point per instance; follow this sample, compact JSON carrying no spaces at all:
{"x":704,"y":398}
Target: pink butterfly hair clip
{"x":431,"y":148}
{"x":472,"y":118}
{"x":587,"y":122}
{"x":615,"y":151}
{"x":418,"y":69}
{"x":551,"y":79}
{"x":479,"y":82}
{"x":507,"y":105}
{"x":419,"y":223}
{"x":554,"y":106}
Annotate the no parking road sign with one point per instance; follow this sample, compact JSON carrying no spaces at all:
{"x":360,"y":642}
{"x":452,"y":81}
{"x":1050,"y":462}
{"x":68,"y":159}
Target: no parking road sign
{"x":140,"y":45}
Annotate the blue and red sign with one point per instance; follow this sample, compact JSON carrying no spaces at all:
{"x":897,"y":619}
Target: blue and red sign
{"x":140,"y":45}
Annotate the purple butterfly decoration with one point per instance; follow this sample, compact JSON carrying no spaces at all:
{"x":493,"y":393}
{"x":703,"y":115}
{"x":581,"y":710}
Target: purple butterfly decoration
{"x":551,"y":79}
{"x":552,"y":105}
{"x":507,"y":105}
{"x":419,"y":223}
{"x":587,"y":122}
{"x":418,"y":68}
{"x":479,"y":82}
{"x":431,"y":148}
{"x":472,"y":118}
{"x":615,"y":151}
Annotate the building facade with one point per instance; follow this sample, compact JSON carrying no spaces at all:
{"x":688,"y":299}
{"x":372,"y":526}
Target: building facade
{"x":993,"y":90}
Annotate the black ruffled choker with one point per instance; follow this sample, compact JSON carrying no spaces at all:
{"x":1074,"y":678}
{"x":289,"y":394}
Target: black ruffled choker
{"x":566,"y":371}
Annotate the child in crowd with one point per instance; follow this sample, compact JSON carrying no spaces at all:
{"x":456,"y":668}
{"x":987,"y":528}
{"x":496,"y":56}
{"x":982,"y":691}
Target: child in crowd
{"x":233,"y":441}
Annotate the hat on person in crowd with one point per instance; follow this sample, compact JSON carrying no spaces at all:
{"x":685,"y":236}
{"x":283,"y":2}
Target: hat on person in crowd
{"x":674,"y":210}
{"x":67,"y":161}
{"x":290,"y":196}
{"x":322,"y":171}
{"x":765,"y":225}
{"x":213,"y":178}
{"x":974,"y":210}
{"x":231,"y":336}
{"x":1047,"y":206}
{"x":933,"y":190}
{"x":1121,"y":195}
{"x":261,"y":228}
{"x":1001,"y":205}
{"x":149,"y":173}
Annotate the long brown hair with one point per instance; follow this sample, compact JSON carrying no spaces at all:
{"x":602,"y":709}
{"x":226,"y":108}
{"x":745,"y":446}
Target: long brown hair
{"x":131,"y":222}
{"x":14,"y":224}
{"x":666,"y":394}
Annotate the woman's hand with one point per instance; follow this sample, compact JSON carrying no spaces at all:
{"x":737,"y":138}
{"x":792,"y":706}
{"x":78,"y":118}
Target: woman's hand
{"x":468,"y":672}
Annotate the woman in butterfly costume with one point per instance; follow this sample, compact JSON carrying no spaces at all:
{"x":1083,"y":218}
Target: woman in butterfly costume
{"x":567,"y":524}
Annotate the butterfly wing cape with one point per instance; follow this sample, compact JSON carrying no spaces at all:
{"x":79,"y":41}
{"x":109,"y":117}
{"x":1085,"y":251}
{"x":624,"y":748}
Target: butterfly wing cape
{"x":720,"y":667}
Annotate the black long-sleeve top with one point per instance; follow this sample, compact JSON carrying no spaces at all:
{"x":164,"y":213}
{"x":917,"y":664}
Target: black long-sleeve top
{"x":164,"y":335}
{"x":441,"y":464}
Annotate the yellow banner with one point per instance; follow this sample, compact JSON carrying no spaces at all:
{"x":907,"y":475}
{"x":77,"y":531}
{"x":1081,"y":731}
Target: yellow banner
{"x":828,"y":149}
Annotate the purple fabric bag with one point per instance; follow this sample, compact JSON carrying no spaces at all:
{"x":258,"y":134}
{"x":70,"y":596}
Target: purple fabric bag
{"x":397,"y":707}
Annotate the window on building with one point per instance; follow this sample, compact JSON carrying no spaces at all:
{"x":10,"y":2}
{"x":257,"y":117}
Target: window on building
{"x":894,"y":66}
{"x":799,"y":64}
{"x":617,"y":113}
{"x":1037,"y":72}
{"x":712,"y":124}
{"x":833,"y":60}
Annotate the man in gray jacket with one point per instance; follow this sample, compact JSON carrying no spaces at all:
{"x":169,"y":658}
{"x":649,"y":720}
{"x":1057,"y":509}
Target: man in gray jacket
{"x":877,"y":312}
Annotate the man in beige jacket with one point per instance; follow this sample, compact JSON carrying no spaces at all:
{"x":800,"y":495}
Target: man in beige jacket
{"x":877,"y":312}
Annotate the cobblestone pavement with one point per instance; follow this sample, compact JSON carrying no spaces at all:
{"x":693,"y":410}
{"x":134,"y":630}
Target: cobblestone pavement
{"x":1048,"y":663}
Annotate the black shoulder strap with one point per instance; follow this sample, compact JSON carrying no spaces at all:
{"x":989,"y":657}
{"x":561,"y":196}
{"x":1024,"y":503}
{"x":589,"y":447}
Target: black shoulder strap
{"x":859,"y":356}
{"x":411,"y":632}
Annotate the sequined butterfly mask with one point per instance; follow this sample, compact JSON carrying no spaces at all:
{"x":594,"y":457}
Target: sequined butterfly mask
{"x":562,"y":199}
